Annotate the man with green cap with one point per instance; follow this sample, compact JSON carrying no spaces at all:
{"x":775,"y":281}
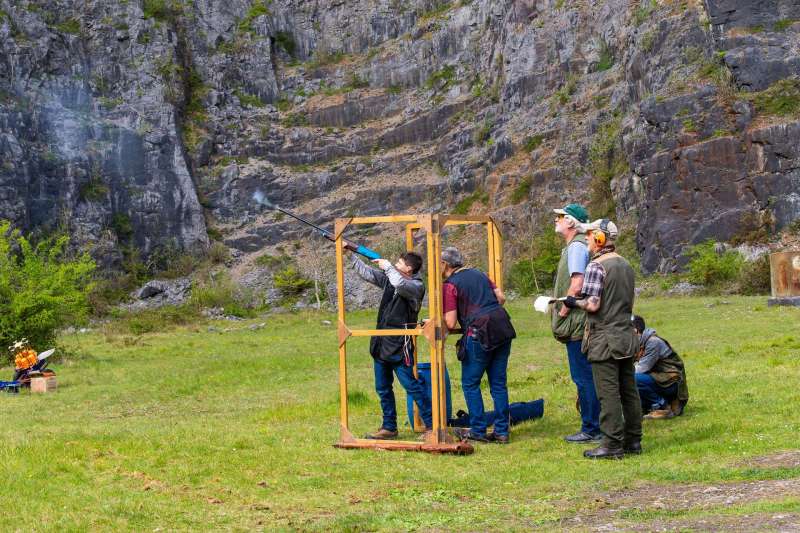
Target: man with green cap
{"x":611,"y":343}
{"x":568,"y":324}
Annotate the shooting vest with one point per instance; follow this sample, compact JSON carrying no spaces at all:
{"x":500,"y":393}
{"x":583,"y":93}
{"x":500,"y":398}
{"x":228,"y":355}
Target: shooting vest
{"x":669,"y":370}
{"x":609,"y":333}
{"x":394,"y":312}
{"x":570,"y":327}
{"x":475,"y":295}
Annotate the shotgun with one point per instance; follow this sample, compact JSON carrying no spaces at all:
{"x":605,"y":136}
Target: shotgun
{"x":260,"y":199}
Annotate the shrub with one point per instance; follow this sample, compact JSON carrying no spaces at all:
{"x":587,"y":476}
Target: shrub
{"x":533,"y":274}
{"x":522,"y":191}
{"x":711,"y":268}
{"x":71,"y":26}
{"x":247,"y":99}
{"x":122,"y":226}
{"x":754,"y":277}
{"x":157,"y":319}
{"x":258,"y":9}
{"x":42,"y":288}
{"x":162,"y":10}
{"x":215,"y":291}
{"x":218,"y":253}
{"x":273,"y":261}
{"x":607,"y":160}
{"x":286,"y":41}
{"x":291,"y":283}
{"x":482,"y":132}
{"x":606,"y":60}
{"x":93,"y":190}
{"x":533,"y":142}
{"x":465,"y":204}
{"x":782,"y":98}
{"x":441,"y":79}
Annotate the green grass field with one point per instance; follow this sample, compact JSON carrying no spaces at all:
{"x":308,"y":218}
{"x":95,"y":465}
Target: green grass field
{"x":197,"y":429}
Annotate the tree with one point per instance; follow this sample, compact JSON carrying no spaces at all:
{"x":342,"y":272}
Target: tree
{"x":42,"y":287}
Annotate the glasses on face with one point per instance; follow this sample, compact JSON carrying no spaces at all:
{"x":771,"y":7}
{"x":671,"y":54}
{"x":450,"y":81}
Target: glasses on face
{"x":559,"y":217}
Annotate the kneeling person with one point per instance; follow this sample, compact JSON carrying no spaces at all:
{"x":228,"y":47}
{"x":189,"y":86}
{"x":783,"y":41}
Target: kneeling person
{"x":660,"y":374}
{"x":403,"y":291}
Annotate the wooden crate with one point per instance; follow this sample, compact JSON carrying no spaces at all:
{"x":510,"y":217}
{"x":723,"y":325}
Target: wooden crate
{"x":40,"y":385}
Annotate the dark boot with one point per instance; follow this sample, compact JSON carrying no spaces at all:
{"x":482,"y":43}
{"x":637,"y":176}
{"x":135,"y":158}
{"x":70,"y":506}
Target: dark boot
{"x":605,"y":452}
{"x":634,"y":448}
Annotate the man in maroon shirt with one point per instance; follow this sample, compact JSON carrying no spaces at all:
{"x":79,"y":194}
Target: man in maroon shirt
{"x":472,"y":301}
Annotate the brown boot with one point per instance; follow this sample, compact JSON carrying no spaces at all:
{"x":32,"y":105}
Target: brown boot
{"x":382,"y":434}
{"x":676,"y":407}
{"x":659,"y":414}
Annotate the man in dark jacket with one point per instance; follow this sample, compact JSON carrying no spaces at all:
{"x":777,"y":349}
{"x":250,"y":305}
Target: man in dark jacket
{"x":610,"y":343}
{"x":403,"y":291}
{"x":660,"y":374}
{"x":472,"y":301}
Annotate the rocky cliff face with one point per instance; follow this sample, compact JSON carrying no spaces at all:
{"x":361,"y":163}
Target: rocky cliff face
{"x":151,"y":123}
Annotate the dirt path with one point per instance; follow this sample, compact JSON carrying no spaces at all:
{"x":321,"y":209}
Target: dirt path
{"x":697,"y":506}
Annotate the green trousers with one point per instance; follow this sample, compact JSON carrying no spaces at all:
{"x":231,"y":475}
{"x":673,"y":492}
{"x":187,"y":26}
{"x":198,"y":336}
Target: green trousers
{"x":620,"y":408}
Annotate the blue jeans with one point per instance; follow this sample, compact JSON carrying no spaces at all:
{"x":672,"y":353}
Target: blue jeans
{"x":653,"y":395}
{"x":495,"y":365}
{"x":580,"y":369}
{"x":384,"y":377}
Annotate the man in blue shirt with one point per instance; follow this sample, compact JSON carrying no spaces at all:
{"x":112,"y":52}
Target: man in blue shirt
{"x":568,"y":324}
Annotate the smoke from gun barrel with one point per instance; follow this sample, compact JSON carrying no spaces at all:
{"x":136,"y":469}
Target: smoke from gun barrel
{"x":260,"y":198}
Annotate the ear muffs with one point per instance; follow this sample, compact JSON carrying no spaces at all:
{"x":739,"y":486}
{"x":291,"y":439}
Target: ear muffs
{"x":600,"y":236}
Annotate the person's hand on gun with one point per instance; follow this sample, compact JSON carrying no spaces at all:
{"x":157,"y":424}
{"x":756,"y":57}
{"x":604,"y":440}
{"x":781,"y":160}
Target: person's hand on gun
{"x":383,"y":264}
{"x":571,"y":302}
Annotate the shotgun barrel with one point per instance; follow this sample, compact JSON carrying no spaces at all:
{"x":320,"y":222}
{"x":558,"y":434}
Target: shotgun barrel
{"x":258,"y":196}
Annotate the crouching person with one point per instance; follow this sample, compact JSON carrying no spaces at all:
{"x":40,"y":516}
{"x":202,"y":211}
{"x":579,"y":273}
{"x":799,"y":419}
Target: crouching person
{"x":403,"y":291}
{"x":472,"y":301}
{"x":660,"y":374}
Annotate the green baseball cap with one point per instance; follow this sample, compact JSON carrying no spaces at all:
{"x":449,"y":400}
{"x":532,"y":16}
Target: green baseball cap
{"x":576,"y":211}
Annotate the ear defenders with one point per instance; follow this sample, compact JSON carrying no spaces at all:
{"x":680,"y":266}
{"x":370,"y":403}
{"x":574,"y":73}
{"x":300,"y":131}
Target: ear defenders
{"x":599,"y":235}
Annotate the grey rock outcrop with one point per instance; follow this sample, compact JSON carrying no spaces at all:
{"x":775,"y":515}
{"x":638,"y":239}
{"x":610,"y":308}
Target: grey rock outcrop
{"x":136,"y":124}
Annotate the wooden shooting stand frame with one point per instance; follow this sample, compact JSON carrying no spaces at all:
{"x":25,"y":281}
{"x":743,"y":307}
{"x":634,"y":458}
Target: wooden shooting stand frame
{"x":439,"y":440}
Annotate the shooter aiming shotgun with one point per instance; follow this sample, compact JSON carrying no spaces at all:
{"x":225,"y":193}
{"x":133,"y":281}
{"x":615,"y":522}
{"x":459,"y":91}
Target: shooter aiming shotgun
{"x":259,"y":198}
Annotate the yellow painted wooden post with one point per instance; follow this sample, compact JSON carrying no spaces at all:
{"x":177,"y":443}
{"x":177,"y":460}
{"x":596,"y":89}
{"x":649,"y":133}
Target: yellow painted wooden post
{"x":497,"y":258}
{"x":419,"y":425}
{"x":438,"y":374}
{"x":342,"y":329}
